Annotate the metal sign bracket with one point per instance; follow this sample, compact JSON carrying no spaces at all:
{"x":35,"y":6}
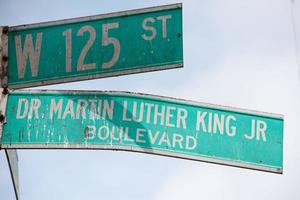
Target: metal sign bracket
{"x":3,"y":103}
{"x":12,"y":159}
{"x":3,"y":76}
{"x":4,"y":55}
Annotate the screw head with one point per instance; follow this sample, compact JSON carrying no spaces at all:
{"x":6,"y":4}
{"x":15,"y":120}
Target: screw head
{"x":5,"y":90}
{"x":4,"y":58}
{"x":2,"y":118}
{"x":5,"y":29}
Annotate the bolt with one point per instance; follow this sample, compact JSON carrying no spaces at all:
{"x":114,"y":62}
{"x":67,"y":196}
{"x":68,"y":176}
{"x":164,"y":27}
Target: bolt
{"x":5,"y":91}
{"x":5,"y":30}
{"x":4,"y":58}
{"x":2,"y":118}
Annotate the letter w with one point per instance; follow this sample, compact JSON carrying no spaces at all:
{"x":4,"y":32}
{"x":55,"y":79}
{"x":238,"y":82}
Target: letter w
{"x":28,"y":51}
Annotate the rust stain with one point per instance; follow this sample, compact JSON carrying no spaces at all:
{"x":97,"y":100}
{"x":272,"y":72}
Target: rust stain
{"x":86,"y":131}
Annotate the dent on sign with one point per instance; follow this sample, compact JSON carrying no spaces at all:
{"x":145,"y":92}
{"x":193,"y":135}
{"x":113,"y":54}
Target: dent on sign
{"x":143,"y":123}
{"x":94,"y":47}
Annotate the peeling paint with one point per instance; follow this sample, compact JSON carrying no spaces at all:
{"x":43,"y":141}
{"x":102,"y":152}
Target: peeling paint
{"x":151,"y":124}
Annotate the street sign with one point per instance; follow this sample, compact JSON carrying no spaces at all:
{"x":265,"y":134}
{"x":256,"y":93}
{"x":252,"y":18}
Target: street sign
{"x":94,"y":47}
{"x":12,"y":159}
{"x":143,"y":123}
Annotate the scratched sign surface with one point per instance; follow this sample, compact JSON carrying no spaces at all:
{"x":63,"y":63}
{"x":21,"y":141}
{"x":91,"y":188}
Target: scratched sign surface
{"x":94,"y":47}
{"x":143,"y":123}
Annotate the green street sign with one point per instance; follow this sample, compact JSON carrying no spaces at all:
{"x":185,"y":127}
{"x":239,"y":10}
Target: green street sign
{"x":142,"y":123}
{"x":94,"y":47}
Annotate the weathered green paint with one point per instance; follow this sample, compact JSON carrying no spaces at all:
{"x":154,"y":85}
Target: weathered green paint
{"x":136,"y":54}
{"x":219,"y":138}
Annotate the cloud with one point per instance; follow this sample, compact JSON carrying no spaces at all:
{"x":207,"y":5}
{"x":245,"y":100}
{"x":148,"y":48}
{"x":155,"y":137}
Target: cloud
{"x":237,"y":53}
{"x":6,"y":185}
{"x":205,"y":181}
{"x":254,"y":68}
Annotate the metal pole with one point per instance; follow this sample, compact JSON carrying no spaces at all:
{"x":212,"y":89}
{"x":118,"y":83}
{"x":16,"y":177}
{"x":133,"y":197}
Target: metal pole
{"x":12,"y":159}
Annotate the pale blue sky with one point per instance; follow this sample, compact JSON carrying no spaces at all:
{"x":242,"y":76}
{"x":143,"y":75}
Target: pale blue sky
{"x":236,"y":53}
